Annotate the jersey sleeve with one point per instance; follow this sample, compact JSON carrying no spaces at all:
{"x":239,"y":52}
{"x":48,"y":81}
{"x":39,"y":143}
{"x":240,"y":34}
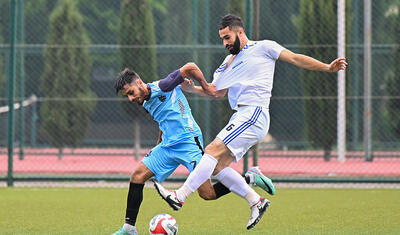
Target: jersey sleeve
{"x":272,"y":49}
{"x":220,"y":69}
{"x":171,"y":81}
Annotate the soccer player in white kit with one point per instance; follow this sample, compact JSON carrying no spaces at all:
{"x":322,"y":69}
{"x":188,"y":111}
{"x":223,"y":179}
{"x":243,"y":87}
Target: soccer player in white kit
{"x":247,"y":76}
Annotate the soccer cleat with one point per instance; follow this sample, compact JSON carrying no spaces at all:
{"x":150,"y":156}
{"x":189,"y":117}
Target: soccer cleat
{"x":121,"y":231}
{"x":261,"y":180}
{"x":168,"y":196}
{"x":257,"y":211}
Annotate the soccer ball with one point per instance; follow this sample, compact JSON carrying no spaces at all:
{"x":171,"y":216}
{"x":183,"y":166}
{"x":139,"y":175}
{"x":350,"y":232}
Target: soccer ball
{"x":163,"y":224}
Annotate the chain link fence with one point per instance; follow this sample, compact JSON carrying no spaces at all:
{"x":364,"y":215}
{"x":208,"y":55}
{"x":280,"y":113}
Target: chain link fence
{"x":68,"y":53}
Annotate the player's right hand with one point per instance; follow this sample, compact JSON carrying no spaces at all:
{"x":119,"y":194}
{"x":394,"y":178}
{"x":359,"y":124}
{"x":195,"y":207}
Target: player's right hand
{"x":187,"y":85}
{"x":338,"y":64}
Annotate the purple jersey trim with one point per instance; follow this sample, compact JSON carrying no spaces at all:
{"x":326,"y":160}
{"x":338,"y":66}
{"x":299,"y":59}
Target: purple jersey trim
{"x":171,"y":81}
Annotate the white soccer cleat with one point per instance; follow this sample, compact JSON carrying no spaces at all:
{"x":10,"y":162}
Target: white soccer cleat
{"x":168,"y":196}
{"x":257,"y":211}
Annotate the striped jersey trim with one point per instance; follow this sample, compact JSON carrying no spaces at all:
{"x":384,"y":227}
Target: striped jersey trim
{"x":243,"y":127}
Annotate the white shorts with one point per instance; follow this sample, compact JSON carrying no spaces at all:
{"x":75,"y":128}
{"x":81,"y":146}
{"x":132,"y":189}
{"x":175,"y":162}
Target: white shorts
{"x":245,"y":128}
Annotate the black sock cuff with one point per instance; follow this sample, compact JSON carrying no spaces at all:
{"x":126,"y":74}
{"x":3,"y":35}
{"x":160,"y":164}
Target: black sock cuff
{"x":135,"y":186}
{"x":247,"y":178}
{"x":220,"y":190}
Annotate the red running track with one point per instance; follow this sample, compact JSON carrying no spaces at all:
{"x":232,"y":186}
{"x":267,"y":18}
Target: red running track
{"x":99,"y":161}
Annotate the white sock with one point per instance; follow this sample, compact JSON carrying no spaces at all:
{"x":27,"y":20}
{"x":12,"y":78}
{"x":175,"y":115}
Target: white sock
{"x":128,"y":227}
{"x":252,"y":197}
{"x":234,"y":181}
{"x":197,"y":177}
{"x":183,"y":192}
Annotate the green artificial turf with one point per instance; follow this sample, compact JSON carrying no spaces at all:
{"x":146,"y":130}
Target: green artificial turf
{"x":292,"y":211}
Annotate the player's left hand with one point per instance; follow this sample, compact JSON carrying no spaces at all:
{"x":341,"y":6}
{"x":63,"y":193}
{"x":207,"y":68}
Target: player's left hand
{"x":338,"y":64}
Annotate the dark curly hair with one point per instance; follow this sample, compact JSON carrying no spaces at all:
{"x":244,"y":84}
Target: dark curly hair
{"x":231,"y":21}
{"x":127,"y":76}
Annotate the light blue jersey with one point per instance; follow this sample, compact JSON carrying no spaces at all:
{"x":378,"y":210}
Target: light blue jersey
{"x":182,"y":142}
{"x":172,"y":112}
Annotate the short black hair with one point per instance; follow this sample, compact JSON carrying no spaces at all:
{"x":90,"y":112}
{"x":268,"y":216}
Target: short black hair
{"x":231,"y":21}
{"x":127,"y":76}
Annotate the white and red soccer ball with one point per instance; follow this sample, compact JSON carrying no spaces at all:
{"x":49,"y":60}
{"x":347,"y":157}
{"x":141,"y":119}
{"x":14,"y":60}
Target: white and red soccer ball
{"x":163,"y":224}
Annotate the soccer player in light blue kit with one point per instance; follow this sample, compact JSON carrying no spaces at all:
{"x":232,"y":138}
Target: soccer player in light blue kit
{"x":180,"y":140}
{"x":247,"y":76}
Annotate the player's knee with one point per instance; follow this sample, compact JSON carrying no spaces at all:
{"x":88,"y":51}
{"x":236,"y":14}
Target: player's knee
{"x":212,"y":147}
{"x":138,"y":177}
{"x":217,"y":169}
{"x":217,"y":149}
{"x":207,"y":195}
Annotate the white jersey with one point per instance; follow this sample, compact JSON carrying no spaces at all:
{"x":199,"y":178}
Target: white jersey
{"x":249,"y":78}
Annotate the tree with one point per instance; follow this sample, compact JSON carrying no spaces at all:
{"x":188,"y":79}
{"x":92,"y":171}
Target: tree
{"x":392,"y":110}
{"x":237,"y":7}
{"x":174,"y":22}
{"x":67,"y":77}
{"x":4,"y":22}
{"x":2,"y":77}
{"x":317,"y":32}
{"x":137,"y":40}
{"x":136,"y":37}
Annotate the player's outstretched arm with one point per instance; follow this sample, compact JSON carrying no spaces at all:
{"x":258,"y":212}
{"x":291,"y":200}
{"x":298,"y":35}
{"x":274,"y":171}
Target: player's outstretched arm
{"x":188,"y":86}
{"x":191,"y":70}
{"x":307,"y":62}
{"x":205,"y":89}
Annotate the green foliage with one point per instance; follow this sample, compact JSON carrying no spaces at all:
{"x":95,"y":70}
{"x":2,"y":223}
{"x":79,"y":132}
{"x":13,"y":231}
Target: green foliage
{"x":2,"y":76}
{"x":392,"y":110}
{"x":237,"y":7}
{"x":173,"y":23}
{"x":66,"y":77}
{"x":4,"y":13}
{"x":317,"y":26}
{"x":137,"y":40}
{"x":100,"y":20}
{"x":34,"y":12}
{"x":177,"y":23}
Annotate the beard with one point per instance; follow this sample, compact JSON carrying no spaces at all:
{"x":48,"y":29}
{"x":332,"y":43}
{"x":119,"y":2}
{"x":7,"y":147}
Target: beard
{"x":140,"y":100}
{"x":236,"y":46}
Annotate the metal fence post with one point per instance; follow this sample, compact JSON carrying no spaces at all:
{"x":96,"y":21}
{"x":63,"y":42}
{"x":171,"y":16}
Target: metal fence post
{"x":367,"y":81}
{"x":341,"y":116}
{"x":249,"y":27}
{"x":21,"y":79}
{"x":355,"y":74}
{"x":195,"y":41}
{"x":11,"y":93}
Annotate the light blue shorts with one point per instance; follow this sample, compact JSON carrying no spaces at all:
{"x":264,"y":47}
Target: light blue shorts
{"x":163,"y":160}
